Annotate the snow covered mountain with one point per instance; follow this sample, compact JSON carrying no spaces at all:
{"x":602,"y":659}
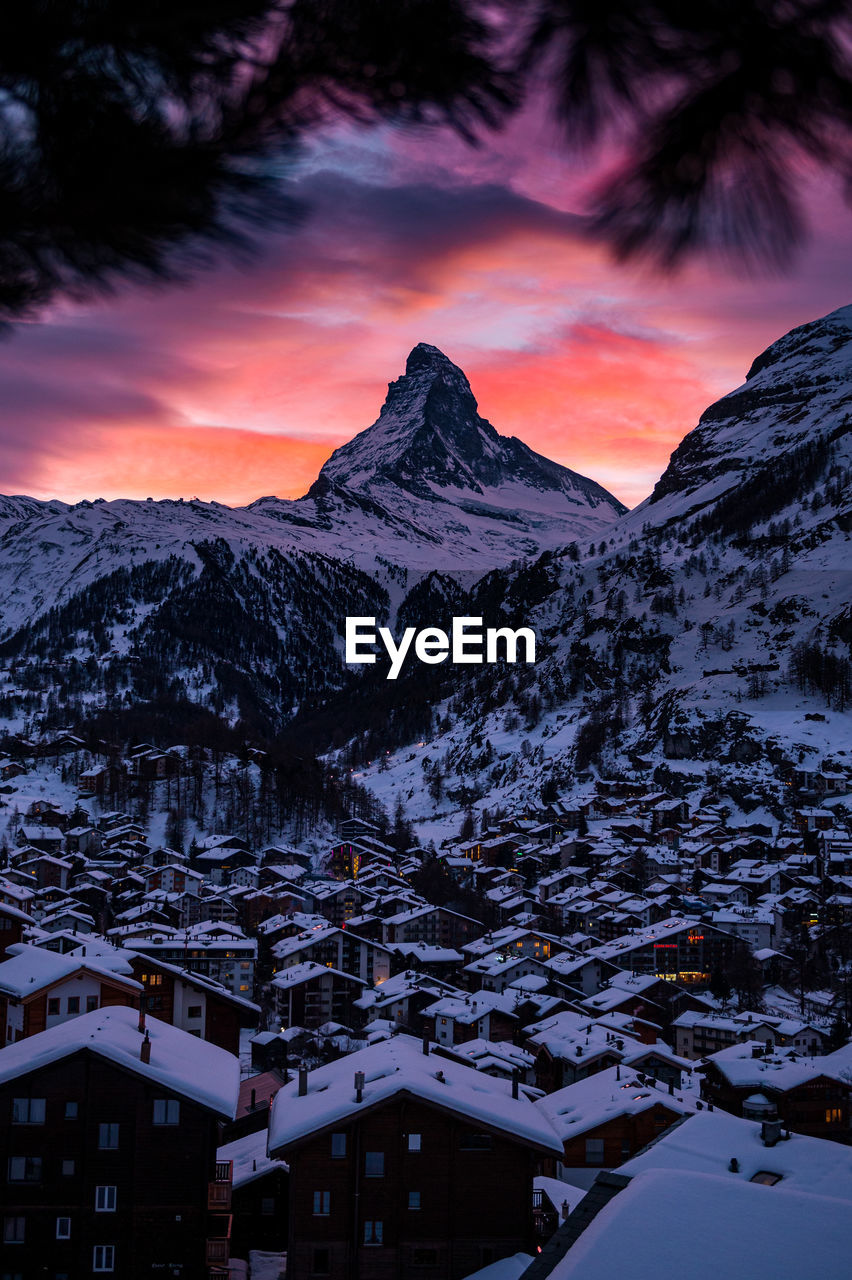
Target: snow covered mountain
{"x":243,"y":607}
{"x":712,"y":629}
{"x":792,"y":414}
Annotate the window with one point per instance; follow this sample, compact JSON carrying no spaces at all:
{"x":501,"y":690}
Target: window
{"x":373,"y":1231}
{"x":833,"y":1115}
{"x":166,"y":1111}
{"x":194,"y":1011}
{"x":63,"y":1228}
{"x":338,"y":1146}
{"x":322,"y":1203}
{"x":91,"y":1004}
{"x":28,"y":1111}
{"x":105,"y":1198}
{"x":54,"y":1007}
{"x":424,"y":1258}
{"x":594,"y":1151}
{"x":68,"y":1167}
{"x":107,"y":1137}
{"x":374,"y":1164}
{"x":25,"y":1168}
{"x":475,"y":1142}
{"x":152,"y":979}
{"x":71,"y":1110}
{"x":321,"y":1262}
{"x":72,"y":1004}
{"x":103,"y":1257}
{"x":414,"y":1199}
{"x":414,"y":1142}
{"x":14,"y":1230}
{"x":765,"y":1178}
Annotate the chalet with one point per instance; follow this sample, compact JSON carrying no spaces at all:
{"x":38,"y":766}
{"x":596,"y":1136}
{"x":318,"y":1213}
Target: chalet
{"x":309,"y":994}
{"x":405,"y":1163}
{"x":609,"y":1116}
{"x":108,"y":1134}
{"x":340,"y":948}
{"x":194,"y":1002}
{"x":42,"y":989}
{"x":679,"y":950}
{"x":811,"y":1095}
{"x":698,"y":1035}
{"x":568,"y":1047}
{"x":435,"y":925}
{"x":216,"y":951}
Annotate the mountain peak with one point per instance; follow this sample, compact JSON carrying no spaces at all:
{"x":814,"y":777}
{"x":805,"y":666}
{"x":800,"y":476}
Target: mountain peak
{"x":425,"y":356}
{"x":430,"y":439}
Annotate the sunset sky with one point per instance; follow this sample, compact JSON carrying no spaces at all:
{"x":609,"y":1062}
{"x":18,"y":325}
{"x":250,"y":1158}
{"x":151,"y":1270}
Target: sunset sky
{"x":242,"y":383}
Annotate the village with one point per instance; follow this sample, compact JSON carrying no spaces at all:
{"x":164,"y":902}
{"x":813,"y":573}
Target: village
{"x":349,"y":1057}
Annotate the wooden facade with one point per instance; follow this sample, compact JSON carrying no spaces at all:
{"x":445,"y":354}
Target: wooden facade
{"x":161,"y":1177}
{"x":450,"y":1198}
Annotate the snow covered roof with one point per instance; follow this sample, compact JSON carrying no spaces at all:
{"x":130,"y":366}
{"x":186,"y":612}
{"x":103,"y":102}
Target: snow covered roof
{"x":706,"y":1141}
{"x":607,"y":1094}
{"x":711,"y":1226}
{"x":180,"y":1062}
{"x":310,"y":969}
{"x":396,"y":1066}
{"x":31,"y":969}
{"x":249,"y":1158}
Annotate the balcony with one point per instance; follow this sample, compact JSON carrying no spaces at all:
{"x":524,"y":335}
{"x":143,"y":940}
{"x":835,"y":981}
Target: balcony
{"x":218,"y":1244}
{"x":219,"y":1190}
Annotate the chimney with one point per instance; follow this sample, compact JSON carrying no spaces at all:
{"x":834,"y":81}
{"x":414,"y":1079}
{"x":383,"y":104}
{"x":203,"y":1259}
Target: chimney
{"x":671,"y":1087}
{"x":618,"y":1070}
{"x":303,"y":1082}
{"x":141,"y":1022}
{"x":515,"y":1075}
{"x":253,"y":1099}
{"x":145,"y":1051}
{"x":426,"y":1046}
{"x":359,"y":1086}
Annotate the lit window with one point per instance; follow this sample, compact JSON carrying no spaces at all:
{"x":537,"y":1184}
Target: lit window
{"x":63,"y":1228}
{"x":28,"y":1110}
{"x":374,"y":1164}
{"x":166,"y":1111}
{"x":105,"y":1199}
{"x":833,"y":1115}
{"x":322,"y":1203}
{"x":103,"y":1257}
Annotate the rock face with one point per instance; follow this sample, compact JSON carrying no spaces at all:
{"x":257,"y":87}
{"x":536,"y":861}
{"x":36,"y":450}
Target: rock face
{"x":430,"y":438}
{"x":795,"y":406}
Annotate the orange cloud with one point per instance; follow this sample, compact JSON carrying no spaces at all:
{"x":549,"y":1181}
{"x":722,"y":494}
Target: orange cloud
{"x":218,"y":463}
